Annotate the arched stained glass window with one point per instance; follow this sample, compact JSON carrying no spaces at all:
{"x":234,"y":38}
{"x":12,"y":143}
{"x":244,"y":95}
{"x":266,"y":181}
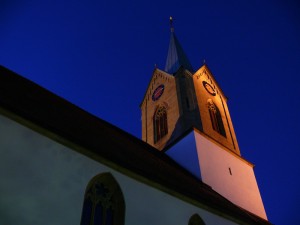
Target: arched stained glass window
{"x":103,"y":202}
{"x":160,"y":123}
{"x":196,"y":220}
{"x":216,"y":118}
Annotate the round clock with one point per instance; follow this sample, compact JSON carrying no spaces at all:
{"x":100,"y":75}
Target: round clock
{"x":209,"y":88}
{"x":157,"y":93}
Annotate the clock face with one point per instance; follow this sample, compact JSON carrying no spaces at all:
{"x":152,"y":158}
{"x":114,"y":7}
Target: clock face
{"x":209,"y":88}
{"x":157,"y":93}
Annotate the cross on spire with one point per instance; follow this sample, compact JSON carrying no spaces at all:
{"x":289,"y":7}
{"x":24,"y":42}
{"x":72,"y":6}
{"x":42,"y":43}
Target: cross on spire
{"x":171,"y":24}
{"x":176,"y":56}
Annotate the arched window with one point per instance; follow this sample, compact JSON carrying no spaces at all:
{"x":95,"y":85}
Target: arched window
{"x":216,"y":118}
{"x":196,"y":220}
{"x":160,"y":123}
{"x":103,"y":202}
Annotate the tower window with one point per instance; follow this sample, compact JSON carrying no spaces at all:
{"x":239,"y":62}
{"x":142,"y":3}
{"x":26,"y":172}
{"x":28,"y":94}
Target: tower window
{"x":216,"y":118}
{"x":103,"y":202}
{"x":160,"y":123}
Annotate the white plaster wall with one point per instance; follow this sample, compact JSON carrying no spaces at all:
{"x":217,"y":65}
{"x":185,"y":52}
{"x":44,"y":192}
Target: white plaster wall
{"x":240,"y":187}
{"x":43,"y":182}
{"x":185,"y":154}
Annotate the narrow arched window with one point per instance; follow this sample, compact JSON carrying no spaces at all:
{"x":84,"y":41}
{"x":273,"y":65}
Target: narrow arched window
{"x":196,"y":220}
{"x":103,"y":202}
{"x":216,"y":118}
{"x":160,"y":123}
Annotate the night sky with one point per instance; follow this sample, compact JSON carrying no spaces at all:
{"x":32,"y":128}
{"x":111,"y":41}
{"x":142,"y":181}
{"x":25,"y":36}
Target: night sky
{"x":100,"y":55}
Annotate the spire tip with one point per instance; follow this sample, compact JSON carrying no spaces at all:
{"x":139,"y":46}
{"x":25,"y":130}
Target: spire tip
{"x":171,"y":24}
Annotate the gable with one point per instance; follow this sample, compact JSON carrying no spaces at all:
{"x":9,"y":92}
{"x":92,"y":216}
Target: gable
{"x":161,"y":93}
{"x":210,"y":96}
{"x":204,"y":74}
{"x":158,"y":77}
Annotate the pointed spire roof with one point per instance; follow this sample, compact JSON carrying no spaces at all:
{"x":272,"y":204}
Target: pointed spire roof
{"x":176,"y":56}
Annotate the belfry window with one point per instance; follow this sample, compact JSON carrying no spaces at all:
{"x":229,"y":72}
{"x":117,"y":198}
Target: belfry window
{"x":160,"y":123}
{"x":103,"y":202}
{"x":216,"y":118}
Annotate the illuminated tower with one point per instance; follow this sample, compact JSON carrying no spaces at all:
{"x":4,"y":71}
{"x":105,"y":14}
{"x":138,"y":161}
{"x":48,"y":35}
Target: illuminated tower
{"x":169,"y":107}
{"x":185,"y":114}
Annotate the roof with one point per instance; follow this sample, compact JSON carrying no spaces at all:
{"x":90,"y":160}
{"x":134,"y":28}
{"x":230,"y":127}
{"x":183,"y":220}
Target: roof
{"x":51,"y":115}
{"x":176,"y":56}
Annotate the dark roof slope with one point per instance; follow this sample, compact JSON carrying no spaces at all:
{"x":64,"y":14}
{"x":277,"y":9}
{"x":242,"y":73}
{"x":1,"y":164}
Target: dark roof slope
{"x":57,"y":118}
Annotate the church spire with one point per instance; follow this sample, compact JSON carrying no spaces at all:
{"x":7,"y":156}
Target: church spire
{"x":176,"y":56}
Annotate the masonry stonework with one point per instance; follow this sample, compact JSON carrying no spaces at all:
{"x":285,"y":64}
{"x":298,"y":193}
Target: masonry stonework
{"x":168,"y":99}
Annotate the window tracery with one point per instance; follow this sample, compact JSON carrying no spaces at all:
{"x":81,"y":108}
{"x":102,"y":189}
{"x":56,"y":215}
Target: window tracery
{"x":216,"y":118}
{"x":103,"y":202}
{"x":160,"y":123}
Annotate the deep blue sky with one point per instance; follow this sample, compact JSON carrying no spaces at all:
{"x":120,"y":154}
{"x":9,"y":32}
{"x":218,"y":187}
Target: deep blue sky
{"x":100,"y":55}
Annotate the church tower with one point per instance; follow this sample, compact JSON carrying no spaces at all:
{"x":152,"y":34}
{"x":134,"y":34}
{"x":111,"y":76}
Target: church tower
{"x":169,"y":108}
{"x":185,"y":114}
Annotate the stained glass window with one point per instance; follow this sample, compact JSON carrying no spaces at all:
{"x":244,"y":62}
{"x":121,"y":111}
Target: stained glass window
{"x":103,"y":202}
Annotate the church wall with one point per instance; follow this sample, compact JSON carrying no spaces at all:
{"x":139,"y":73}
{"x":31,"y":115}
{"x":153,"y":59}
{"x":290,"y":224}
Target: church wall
{"x":229,"y":175}
{"x":184,"y":153}
{"x":43,"y":182}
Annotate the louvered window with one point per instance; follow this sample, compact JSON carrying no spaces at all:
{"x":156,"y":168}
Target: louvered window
{"x":160,"y":123}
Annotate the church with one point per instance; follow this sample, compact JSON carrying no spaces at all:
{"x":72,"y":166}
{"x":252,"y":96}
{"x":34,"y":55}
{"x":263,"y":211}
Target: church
{"x":62,"y":165}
